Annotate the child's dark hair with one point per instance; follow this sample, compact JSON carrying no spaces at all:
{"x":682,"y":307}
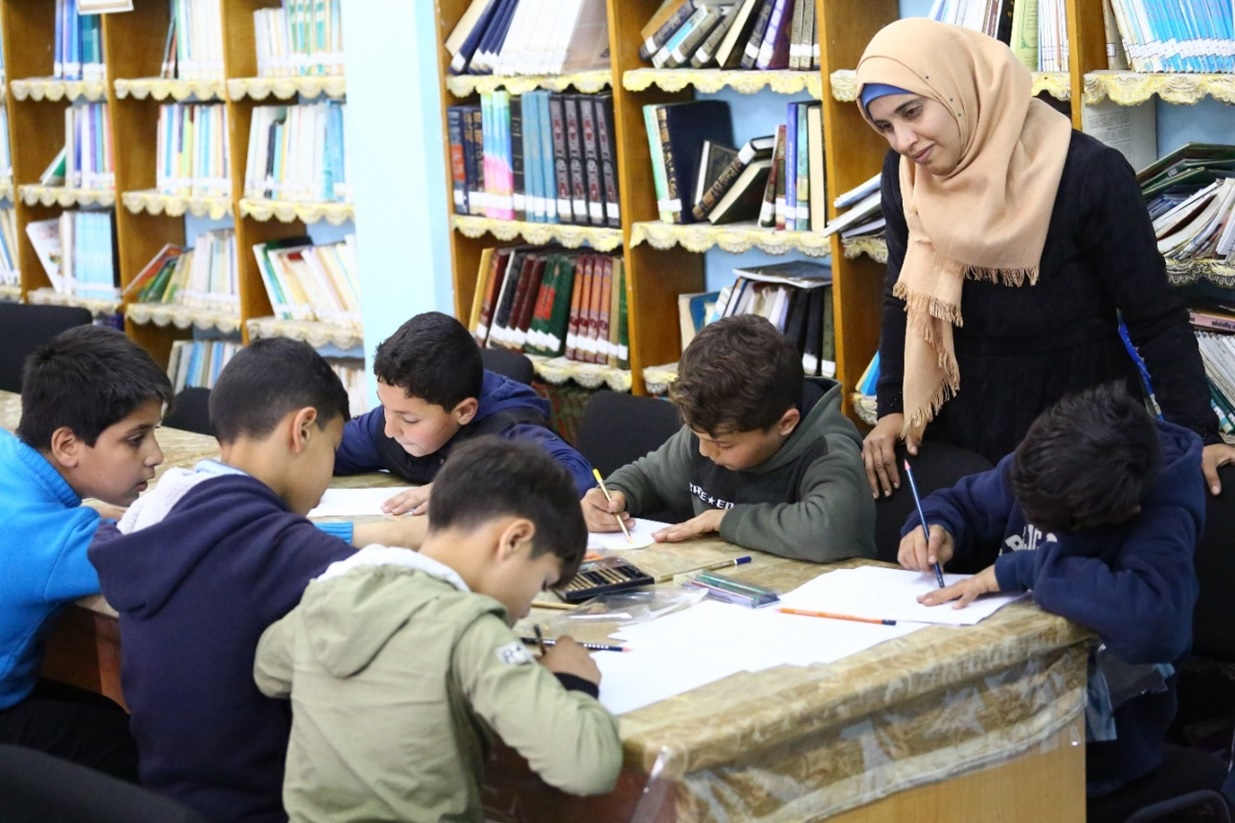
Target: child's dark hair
{"x":269,"y":378}
{"x":490,"y":477}
{"x":1086,"y":461}
{"x":431,"y":357}
{"x":739,"y":374}
{"x":86,"y":379}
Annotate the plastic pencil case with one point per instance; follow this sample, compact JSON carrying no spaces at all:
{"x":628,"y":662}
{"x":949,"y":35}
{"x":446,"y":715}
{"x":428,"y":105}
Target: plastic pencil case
{"x":608,"y":574}
{"x":728,"y":590}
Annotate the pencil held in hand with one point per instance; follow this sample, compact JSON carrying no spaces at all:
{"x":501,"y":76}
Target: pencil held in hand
{"x":917,"y":501}
{"x":600,"y":482}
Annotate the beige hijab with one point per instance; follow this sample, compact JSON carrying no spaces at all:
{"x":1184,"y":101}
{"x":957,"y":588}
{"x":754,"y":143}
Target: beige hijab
{"x":988,"y":218}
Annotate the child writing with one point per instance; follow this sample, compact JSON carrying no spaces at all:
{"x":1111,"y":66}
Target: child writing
{"x":402,"y":665}
{"x":1097,"y":512}
{"x":90,"y":402}
{"x":765,"y":457}
{"x":208,"y":560}
{"x":435,"y":394}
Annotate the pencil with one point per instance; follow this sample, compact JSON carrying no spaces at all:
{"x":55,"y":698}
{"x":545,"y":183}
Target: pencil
{"x":917,"y":501}
{"x":831,"y":616}
{"x":722,"y":564}
{"x":600,"y":482}
{"x":553,"y":604}
{"x":592,"y":647}
{"x":540,"y":638}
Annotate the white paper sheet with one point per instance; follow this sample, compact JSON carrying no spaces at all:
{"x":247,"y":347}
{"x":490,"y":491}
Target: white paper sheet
{"x":355,"y":502}
{"x":640,"y":536}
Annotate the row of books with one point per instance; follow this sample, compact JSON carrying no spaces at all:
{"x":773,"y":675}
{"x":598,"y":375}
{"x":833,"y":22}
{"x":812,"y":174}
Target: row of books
{"x":297,"y":153}
{"x":863,"y":215}
{"x":78,"y":44}
{"x":308,"y":282}
{"x":193,"y":49}
{"x":203,"y":275}
{"x":89,"y":162}
{"x":747,"y":34}
{"x":511,"y":37}
{"x":1036,"y":30}
{"x":9,"y":273}
{"x":77,"y":251}
{"x":543,"y":157}
{"x":1179,"y":36}
{"x":1190,"y":194}
{"x":553,"y":302}
{"x":303,"y":37}
{"x":191,"y":153}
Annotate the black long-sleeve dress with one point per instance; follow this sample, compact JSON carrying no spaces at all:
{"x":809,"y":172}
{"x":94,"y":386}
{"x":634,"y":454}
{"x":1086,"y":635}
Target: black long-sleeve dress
{"x":1021,"y":349}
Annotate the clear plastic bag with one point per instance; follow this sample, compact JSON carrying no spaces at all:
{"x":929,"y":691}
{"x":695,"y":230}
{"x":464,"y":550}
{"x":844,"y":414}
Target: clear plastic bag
{"x":628,"y":608}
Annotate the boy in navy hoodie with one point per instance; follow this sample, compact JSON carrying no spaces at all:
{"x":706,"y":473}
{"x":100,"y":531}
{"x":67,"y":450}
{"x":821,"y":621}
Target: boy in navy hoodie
{"x":1097,"y":512}
{"x":435,"y":394}
{"x":90,"y":403}
{"x":210,"y":558}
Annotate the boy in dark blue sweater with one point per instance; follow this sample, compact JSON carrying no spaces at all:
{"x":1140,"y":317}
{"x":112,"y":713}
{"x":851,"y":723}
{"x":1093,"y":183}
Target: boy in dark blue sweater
{"x":1097,"y":512}
{"x":210,"y":558}
{"x":435,"y":394}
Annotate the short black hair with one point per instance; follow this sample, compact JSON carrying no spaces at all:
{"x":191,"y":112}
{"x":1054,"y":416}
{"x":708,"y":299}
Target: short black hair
{"x":269,"y":378}
{"x":86,"y":378}
{"x":491,"y":477}
{"x":739,"y":374}
{"x":1086,"y":461}
{"x":431,"y":357}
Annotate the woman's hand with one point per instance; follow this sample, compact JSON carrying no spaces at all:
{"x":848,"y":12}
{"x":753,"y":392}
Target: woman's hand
{"x":879,"y":453}
{"x":1215,"y":455}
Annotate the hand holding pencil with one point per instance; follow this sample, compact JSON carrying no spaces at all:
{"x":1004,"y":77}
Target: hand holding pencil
{"x":605,"y":510}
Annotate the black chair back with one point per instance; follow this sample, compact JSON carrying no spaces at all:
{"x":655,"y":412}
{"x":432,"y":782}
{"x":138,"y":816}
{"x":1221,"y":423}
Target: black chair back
{"x":190,"y":411}
{"x":1190,"y":777}
{"x":619,"y":428}
{"x":509,"y":363}
{"x":1213,"y":621}
{"x":24,"y":328}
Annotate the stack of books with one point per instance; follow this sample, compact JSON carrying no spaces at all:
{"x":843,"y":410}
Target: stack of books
{"x":552,"y":302}
{"x":204,"y":275}
{"x":864,"y":217}
{"x":1218,"y":355}
{"x":193,"y":49}
{"x":296,"y":153}
{"x":1190,"y":195}
{"x":677,"y":133}
{"x":742,"y":34}
{"x":1181,"y":36}
{"x":530,"y":37}
{"x":78,"y":44}
{"x":304,"y":37}
{"x":308,"y":282}
{"x":76,"y":251}
{"x":191,"y":153}
{"x":542,"y":157}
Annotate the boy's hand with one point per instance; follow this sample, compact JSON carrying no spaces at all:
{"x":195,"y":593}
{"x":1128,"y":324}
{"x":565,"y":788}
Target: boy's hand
{"x":600,"y":513}
{"x":967,"y":591}
{"x":412,"y":501}
{"x":566,"y":656}
{"x":706,"y":523}
{"x":916,"y":555}
{"x":406,"y":532}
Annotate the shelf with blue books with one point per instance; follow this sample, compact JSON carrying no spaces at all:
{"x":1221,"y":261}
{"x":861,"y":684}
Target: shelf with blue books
{"x":1129,"y":88}
{"x":170,"y":88}
{"x":713,"y":80}
{"x":1057,"y":84}
{"x":735,"y":238}
{"x":565,"y":234}
{"x":584,"y":82}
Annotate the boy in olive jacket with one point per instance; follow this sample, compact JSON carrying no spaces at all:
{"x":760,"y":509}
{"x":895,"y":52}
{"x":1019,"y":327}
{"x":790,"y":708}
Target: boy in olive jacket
{"x":402,"y":665}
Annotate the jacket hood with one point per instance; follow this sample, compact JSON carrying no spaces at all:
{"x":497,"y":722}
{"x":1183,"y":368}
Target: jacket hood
{"x":1178,"y":473}
{"x":499,"y":393}
{"x":823,"y":419}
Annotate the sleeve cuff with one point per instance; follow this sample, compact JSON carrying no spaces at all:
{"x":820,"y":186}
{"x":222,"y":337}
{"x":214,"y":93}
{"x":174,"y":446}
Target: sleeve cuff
{"x":1014,"y":571}
{"x":573,"y":683}
{"x":341,"y":529}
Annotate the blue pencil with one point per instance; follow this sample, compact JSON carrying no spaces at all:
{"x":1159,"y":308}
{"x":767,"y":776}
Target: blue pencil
{"x":917,"y":501}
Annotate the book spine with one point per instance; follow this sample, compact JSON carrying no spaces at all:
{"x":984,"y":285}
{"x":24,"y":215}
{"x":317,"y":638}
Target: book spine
{"x":786,"y":213}
{"x":767,"y":211}
{"x":1203,"y":320}
{"x":652,"y":44}
{"x":517,"y":160}
{"x":723,"y":183}
{"x":771,"y":35}
{"x":591,"y":161}
{"x":458,"y":163}
{"x":608,"y":153}
{"x":673,"y":197}
{"x":574,"y":147}
{"x":755,"y":42}
{"x":534,"y":201}
{"x":682,"y":53}
{"x":705,"y":55}
{"x":561,"y":160}
{"x":802,"y":193}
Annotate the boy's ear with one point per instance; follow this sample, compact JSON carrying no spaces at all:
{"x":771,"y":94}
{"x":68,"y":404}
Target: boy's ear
{"x":517,"y":533}
{"x":304,"y":427}
{"x":788,"y":422}
{"x":65,"y":448}
{"x":465,"y":411}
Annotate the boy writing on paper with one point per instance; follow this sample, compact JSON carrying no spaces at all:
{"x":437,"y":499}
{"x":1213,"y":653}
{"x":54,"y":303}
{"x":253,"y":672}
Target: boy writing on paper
{"x":209,"y":559}
{"x":435,"y":394}
{"x":90,"y":402}
{"x":765,"y":458}
{"x":402,"y":665}
{"x":1097,"y":512}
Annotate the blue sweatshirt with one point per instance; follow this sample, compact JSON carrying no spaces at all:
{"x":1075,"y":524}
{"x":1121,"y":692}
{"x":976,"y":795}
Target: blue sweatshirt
{"x":1131,"y":583}
{"x":506,"y":407}
{"x":205,"y":563}
{"x":45,"y":566}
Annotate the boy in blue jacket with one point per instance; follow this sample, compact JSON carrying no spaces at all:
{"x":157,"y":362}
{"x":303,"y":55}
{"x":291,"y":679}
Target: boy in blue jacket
{"x":435,"y":394}
{"x":90,"y":403}
{"x":1097,"y":512}
{"x":210,"y":558}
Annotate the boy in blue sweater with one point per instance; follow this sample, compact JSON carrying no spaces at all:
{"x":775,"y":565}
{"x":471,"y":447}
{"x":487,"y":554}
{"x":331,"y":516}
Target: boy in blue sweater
{"x":1097,"y":512}
{"x":210,"y":558}
{"x":435,"y":394}
{"x":90,"y":403}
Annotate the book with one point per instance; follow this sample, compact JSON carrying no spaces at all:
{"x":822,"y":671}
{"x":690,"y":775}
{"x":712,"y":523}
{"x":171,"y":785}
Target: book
{"x":684,"y":128}
{"x":705,"y":55}
{"x":757,"y":148}
{"x":743,"y":199}
{"x":755,"y":42}
{"x":45,"y":238}
{"x":767,"y":209}
{"x":774,"y":50}
{"x":732,"y":46}
{"x":713,"y":160}
{"x":693,"y":311}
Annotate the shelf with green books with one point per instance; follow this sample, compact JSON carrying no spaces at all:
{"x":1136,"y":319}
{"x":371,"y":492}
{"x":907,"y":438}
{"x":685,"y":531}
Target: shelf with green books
{"x":165,"y":88}
{"x":735,"y":238}
{"x":714,"y":80}
{"x":184,"y":317}
{"x":875,"y":248}
{"x":316,"y":333}
{"x":1129,"y":88}
{"x":65,"y":197}
{"x":565,"y":234}
{"x":288,"y":211}
{"x":153,"y":202}
{"x":49,"y":88}
{"x":1058,"y":84}
{"x":333,"y":86}
{"x":585,"y":82}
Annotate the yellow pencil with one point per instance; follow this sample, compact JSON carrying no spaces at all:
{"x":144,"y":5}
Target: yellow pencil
{"x":600,"y":482}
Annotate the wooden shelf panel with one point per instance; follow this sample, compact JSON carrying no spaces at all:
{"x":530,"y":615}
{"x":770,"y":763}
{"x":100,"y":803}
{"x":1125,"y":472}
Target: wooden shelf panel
{"x":875,"y":248}
{"x":714,"y":80}
{"x":1129,"y":88}
{"x":65,"y":197}
{"x":735,"y":238}
{"x":49,"y":88}
{"x":287,"y":211}
{"x":152,"y":202}
{"x":588,"y":82}
{"x":1057,"y":84}
{"x":570,"y":236}
{"x":50,"y":297}
{"x":333,"y":86}
{"x":315,"y":333}
{"x":184,"y":317}
{"x":162,"y":88}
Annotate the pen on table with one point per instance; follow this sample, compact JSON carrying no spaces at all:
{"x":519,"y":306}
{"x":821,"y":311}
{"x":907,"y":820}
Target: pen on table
{"x":600,"y":482}
{"x":722,"y":564}
{"x":540,"y":638}
{"x":592,"y":647}
{"x":808,"y":613}
{"x":553,"y":604}
{"x":917,"y":501}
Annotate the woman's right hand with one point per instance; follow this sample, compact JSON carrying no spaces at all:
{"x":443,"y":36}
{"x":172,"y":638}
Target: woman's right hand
{"x":879,"y":453}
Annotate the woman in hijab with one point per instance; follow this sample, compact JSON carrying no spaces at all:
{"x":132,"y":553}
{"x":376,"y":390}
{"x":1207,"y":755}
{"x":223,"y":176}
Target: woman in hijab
{"x":1014,"y":245}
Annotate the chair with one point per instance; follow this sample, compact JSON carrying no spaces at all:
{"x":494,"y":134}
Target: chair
{"x":25,"y":328}
{"x":508,"y":363}
{"x":1187,"y":779}
{"x":36,"y":787}
{"x":619,"y":428}
{"x":190,"y":411}
{"x":1213,"y":622}
{"x":937,"y":466}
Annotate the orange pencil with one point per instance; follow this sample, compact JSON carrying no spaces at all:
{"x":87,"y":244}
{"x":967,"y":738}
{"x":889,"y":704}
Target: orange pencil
{"x":809,"y":613}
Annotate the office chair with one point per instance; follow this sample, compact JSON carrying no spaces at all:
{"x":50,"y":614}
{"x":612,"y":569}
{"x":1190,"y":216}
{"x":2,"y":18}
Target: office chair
{"x":509,"y":363}
{"x":24,"y":328}
{"x":190,"y":411}
{"x":1187,"y":779}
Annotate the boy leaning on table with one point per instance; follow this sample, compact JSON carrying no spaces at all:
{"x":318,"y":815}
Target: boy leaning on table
{"x":90,"y":401}
{"x":765,"y":457}
{"x":401,"y":666}
{"x":211,"y":557}
{"x":1097,"y":512}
